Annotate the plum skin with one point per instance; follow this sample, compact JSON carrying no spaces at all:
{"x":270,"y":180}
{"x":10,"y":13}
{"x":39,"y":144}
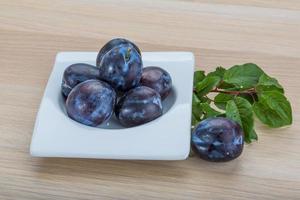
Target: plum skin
{"x":218,"y":139}
{"x":111,"y":44}
{"x":121,"y":67}
{"x":77,"y":73}
{"x":138,"y":106}
{"x":91,"y":102}
{"x":157,"y":79}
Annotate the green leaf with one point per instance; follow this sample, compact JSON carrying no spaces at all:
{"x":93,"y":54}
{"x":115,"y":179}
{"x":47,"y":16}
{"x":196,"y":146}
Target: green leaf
{"x":205,"y":99}
{"x":253,"y":135}
{"x":206,"y":85}
{"x":273,"y":109}
{"x":209,"y":111}
{"x":221,"y":100}
{"x":194,"y":120}
{"x":195,"y":99}
{"x":196,"y":108}
{"x":267,"y":83}
{"x":232,"y":112}
{"x":243,"y":76}
{"x":248,"y":97}
{"x":198,"y":76}
{"x":240,"y":110}
{"x":220,"y":71}
{"x":222,"y":115}
{"x":227,"y":87}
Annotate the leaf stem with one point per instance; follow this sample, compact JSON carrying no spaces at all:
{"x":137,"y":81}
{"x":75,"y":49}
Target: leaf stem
{"x":250,"y":91}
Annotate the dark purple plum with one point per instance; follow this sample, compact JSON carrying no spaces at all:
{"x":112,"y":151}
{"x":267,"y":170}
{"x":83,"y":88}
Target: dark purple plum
{"x":77,"y":73}
{"x":157,"y":79}
{"x":138,"y":106}
{"x":111,"y":44}
{"x":218,"y":139}
{"x":121,"y":67}
{"x":91,"y":102}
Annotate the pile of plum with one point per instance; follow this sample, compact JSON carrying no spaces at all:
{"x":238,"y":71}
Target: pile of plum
{"x":117,"y":84}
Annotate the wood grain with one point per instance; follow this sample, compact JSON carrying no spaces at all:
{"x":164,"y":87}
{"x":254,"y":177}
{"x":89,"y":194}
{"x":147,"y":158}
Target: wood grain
{"x":219,"y":32}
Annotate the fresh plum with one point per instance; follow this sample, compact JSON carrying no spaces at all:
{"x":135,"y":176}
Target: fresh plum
{"x":121,"y":67}
{"x":91,"y":102}
{"x":218,"y":139}
{"x":157,"y":79}
{"x":111,"y":44}
{"x":77,"y":73}
{"x":138,"y":106}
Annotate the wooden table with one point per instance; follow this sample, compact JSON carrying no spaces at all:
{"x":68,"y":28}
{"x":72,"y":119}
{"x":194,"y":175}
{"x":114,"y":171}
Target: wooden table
{"x":219,"y":32}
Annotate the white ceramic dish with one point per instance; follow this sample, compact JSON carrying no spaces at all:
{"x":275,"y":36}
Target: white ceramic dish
{"x":166,"y":138}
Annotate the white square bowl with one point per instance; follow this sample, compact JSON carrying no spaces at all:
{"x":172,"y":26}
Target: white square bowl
{"x":166,"y":138}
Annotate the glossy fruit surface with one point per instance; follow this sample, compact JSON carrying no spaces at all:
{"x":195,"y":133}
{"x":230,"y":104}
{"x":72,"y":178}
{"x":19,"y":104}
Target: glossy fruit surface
{"x":91,"y":102}
{"x":111,"y":44}
{"x":218,"y":139}
{"x":77,"y":73}
{"x":121,"y":67}
{"x":138,"y":106}
{"x":157,"y":79}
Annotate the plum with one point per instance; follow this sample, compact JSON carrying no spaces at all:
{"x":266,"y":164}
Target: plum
{"x":91,"y":102}
{"x":77,"y":73}
{"x":111,"y":44}
{"x":138,"y":106}
{"x":218,"y":139}
{"x":121,"y":67}
{"x":157,"y":79}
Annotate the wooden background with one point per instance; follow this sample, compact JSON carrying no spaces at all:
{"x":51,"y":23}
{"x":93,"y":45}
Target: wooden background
{"x":219,"y":32}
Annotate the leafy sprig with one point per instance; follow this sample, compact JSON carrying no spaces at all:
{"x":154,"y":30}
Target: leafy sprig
{"x":240,"y":93}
